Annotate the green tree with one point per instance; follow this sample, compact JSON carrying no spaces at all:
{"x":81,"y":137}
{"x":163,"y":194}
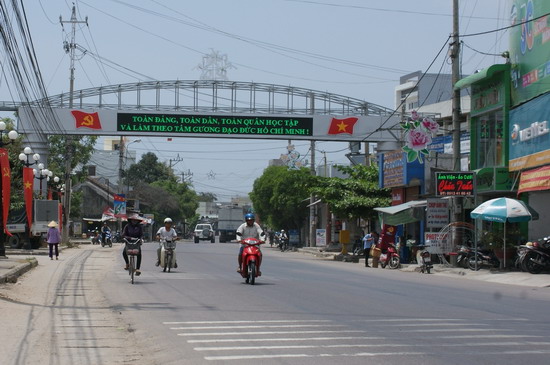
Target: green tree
{"x":355,"y":196}
{"x":207,"y":197}
{"x":280,"y":196}
{"x":83,"y":148}
{"x":149,"y":170}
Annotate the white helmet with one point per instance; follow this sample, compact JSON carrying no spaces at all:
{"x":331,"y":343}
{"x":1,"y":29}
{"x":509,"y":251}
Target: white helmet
{"x":168,"y":220}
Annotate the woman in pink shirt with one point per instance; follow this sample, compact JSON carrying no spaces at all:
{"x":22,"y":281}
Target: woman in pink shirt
{"x":53,"y":239}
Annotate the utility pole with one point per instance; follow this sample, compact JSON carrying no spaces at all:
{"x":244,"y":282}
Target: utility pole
{"x":120,"y":172}
{"x":455,"y":77}
{"x":69,"y":48}
{"x":175,"y":160}
{"x":312,"y":222}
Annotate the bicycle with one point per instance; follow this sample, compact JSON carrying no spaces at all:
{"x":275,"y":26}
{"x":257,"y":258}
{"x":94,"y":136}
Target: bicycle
{"x":132,"y":250}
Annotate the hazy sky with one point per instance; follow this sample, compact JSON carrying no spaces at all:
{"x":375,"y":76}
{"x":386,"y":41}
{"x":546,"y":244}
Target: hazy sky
{"x":356,"y":48}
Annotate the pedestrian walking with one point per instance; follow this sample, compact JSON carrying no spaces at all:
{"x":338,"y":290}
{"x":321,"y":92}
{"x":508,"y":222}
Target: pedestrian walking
{"x":369,"y":240}
{"x":53,"y":238}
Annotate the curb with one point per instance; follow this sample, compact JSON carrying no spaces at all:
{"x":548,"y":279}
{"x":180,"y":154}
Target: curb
{"x":14,"y":273}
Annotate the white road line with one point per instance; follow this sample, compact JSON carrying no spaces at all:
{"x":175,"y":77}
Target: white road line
{"x":434,"y":324}
{"x":225,"y":340}
{"x":265,"y":321}
{"x":369,"y":354}
{"x":260,"y":333}
{"x":369,"y":338}
{"x":260,"y":326}
{"x":460,"y":330}
{"x":476,"y":344}
{"x":279,"y":356}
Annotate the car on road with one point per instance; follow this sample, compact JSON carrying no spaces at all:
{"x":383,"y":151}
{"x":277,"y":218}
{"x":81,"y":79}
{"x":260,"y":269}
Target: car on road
{"x":204,"y":231}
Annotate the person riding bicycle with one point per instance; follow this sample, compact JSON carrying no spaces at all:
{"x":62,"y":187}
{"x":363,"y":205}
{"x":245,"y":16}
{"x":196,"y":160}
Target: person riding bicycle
{"x":283,"y":239}
{"x":166,"y":233}
{"x":249,"y":229}
{"x":104,"y":230}
{"x":131,"y":231}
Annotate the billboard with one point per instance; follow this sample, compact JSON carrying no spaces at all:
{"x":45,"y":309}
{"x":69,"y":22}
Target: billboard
{"x":106,"y":122}
{"x":529,"y":49}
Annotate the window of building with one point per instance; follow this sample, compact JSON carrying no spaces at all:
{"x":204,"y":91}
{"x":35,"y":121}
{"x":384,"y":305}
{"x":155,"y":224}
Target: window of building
{"x":490,"y":151}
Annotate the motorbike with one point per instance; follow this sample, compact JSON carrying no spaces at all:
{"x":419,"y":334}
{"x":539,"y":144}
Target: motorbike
{"x":537,"y":257}
{"x":167,"y":255}
{"x":117,"y":237}
{"x":96,"y":238}
{"x":251,"y":260}
{"x":108,"y":240}
{"x":390,"y":258}
{"x":462,"y":255}
{"x":478,"y":258}
{"x":425,"y":261}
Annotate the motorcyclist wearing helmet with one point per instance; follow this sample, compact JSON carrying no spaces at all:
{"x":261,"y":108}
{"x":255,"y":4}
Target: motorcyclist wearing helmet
{"x":166,"y":233}
{"x":131,"y":231}
{"x":249,"y":229}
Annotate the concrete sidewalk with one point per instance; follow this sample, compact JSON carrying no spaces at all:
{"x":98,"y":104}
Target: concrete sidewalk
{"x":494,"y":276}
{"x":19,"y":261}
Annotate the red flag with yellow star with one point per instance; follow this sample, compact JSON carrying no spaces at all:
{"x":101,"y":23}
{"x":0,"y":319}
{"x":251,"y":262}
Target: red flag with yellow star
{"x":28,"y":180}
{"x":338,"y":126}
{"x":6,"y":187}
{"x":88,"y":120}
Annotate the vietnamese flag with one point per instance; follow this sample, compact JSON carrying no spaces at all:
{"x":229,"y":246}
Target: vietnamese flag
{"x":28,"y":180}
{"x":6,"y":187}
{"x":88,"y":120}
{"x":338,"y":126}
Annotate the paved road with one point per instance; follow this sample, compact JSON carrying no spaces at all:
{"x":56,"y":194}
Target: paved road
{"x":308,"y":311}
{"x":303,"y":310}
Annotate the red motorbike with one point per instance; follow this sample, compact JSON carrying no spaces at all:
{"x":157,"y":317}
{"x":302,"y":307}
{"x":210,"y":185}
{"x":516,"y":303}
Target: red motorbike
{"x":251,"y":259}
{"x":390,"y":257}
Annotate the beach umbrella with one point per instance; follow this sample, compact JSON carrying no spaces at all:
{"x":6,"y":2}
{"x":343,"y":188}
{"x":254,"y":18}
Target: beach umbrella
{"x":504,"y":210}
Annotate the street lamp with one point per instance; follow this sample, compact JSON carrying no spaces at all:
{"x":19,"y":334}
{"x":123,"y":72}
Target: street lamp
{"x":41,"y":174}
{"x":128,"y":180}
{"x":12,"y":136}
{"x":25,"y":157}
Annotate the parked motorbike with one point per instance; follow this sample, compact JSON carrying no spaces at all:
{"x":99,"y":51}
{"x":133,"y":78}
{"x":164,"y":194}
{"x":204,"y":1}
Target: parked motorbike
{"x":108,"y":240}
{"x":390,"y":258}
{"x":117,"y":237}
{"x":96,"y":238}
{"x":425,"y":261}
{"x":463,"y":255}
{"x":479,"y":258}
{"x":537,"y":256}
{"x":167,"y":255}
{"x":251,"y":260}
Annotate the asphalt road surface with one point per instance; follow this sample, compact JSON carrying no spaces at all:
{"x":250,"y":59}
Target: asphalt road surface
{"x":302,"y":310}
{"x":307,"y":311}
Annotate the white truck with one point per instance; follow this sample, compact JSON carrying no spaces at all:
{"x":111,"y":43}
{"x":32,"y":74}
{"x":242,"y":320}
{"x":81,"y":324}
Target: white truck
{"x":44,"y":212}
{"x":230,"y":217}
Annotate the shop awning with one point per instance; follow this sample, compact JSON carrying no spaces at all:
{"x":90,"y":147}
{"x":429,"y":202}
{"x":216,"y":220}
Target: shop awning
{"x":408,"y":212}
{"x":533,"y":180}
{"x":481,"y":75}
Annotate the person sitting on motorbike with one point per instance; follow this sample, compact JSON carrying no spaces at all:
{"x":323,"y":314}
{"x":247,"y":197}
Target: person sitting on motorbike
{"x":104,"y":230}
{"x":249,"y":229}
{"x":166,"y":233}
{"x":131,"y":231}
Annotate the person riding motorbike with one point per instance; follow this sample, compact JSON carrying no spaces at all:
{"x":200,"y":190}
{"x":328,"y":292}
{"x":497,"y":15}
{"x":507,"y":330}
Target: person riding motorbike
{"x":104,"y":230}
{"x":249,"y":229}
{"x":284,"y":240}
{"x":167,"y":233}
{"x":131,"y":231}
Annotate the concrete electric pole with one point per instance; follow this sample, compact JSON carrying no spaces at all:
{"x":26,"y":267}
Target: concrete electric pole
{"x":69,"y":48}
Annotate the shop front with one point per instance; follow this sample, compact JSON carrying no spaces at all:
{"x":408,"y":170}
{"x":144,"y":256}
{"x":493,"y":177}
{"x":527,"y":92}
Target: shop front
{"x":530,"y":158}
{"x":406,"y":180}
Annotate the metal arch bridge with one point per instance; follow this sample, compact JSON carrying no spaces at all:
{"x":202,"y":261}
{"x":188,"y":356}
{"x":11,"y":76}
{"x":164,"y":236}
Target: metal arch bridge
{"x":210,"y":96}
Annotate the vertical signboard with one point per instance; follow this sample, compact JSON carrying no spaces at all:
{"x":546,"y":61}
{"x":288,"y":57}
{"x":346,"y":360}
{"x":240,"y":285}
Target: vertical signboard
{"x":437,"y":213}
{"x":529,"y":49}
{"x":321,"y":237}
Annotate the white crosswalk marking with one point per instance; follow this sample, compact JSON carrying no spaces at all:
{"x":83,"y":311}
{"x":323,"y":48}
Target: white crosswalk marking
{"x":242,"y":340}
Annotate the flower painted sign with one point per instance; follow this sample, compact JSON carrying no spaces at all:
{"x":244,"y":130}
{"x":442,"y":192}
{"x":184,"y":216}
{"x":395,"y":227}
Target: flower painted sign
{"x":418,"y":136}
